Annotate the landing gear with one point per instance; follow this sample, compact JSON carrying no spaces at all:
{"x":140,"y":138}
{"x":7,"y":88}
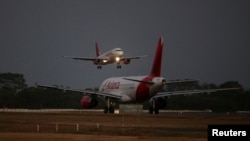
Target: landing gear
{"x":109,"y":108}
{"x":153,"y":109}
{"x":118,"y":65}
{"x":99,"y":67}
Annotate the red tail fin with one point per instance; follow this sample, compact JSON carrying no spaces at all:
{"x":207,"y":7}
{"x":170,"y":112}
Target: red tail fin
{"x":156,"y":68}
{"x":97,"y":50}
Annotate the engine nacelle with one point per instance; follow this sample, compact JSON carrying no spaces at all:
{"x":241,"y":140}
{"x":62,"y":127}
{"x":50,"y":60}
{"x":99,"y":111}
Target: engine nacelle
{"x":97,"y":61}
{"x":126,"y":61}
{"x":88,"y":102}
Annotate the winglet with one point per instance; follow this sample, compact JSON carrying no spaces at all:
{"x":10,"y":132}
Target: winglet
{"x":97,"y":49}
{"x":156,"y":68}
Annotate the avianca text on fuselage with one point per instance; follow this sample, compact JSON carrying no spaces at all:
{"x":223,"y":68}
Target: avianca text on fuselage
{"x":111,"y":85}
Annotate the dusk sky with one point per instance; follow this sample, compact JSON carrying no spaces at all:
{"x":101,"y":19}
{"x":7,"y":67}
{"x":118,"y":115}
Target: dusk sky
{"x":207,"y":40}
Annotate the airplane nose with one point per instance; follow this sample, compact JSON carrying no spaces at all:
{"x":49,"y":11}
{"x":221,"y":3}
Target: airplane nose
{"x":120,"y":53}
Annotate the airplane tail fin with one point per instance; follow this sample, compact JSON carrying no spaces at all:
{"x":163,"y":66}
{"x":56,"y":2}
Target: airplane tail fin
{"x":97,"y":49}
{"x":156,"y":68}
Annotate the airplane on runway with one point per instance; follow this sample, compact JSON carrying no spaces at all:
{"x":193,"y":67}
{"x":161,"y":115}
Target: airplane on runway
{"x":115,"y":55}
{"x":136,"y":89}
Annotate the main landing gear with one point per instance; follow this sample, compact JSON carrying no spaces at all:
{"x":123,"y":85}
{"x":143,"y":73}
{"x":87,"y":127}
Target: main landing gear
{"x":99,"y":67}
{"x":109,"y":108}
{"x":157,"y":104}
{"x":153,"y":109}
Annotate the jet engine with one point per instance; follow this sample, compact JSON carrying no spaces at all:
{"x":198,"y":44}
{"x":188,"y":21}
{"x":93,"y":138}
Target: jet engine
{"x":89,"y":101}
{"x":126,"y":61}
{"x":97,"y":61}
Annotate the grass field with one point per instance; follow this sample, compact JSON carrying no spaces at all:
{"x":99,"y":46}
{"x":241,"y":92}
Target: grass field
{"x":97,"y":126}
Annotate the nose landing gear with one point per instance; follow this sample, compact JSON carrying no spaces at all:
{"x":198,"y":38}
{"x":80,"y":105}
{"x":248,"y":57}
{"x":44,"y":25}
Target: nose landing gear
{"x":109,"y":108}
{"x":119,"y":66}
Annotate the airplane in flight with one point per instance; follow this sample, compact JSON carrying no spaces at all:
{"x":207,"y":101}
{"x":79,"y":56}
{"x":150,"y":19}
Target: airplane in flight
{"x":115,"y":55}
{"x":137,"y":89}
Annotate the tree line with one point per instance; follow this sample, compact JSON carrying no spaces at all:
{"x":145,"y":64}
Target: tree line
{"x":14,"y":93}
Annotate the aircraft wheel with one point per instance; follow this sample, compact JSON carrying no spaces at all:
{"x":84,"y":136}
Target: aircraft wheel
{"x":156,"y":111}
{"x":150,"y":110}
{"x":153,"y":110}
{"x":105,"y":109}
{"x":111,"y":110}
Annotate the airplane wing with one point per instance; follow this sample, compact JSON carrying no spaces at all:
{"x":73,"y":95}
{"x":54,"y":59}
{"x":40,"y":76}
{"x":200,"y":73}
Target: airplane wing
{"x":81,"y":58}
{"x":134,"y":57}
{"x":102,"y":94}
{"x":165,"y":94}
{"x":82,"y":91}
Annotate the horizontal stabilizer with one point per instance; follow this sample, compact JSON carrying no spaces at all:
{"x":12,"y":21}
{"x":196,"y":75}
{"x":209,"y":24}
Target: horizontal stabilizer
{"x":147,"y":82}
{"x":181,"y":81}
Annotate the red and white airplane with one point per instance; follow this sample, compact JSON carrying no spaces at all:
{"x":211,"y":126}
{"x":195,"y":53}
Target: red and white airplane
{"x":136,"y":89}
{"x":115,"y":55}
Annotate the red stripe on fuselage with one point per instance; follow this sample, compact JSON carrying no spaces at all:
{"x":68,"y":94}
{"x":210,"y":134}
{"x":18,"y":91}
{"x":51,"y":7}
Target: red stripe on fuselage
{"x":143,"y":91}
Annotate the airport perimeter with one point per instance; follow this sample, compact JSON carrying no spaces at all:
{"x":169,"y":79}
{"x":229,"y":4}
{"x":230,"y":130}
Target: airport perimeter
{"x":71,"y":124}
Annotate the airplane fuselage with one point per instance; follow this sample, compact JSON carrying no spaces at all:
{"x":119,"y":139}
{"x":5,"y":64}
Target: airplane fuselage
{"x":132,"y":91}
{"x":110,"y":57}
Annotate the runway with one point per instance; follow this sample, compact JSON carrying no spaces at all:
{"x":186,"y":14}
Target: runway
{"x":90,"y":125}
